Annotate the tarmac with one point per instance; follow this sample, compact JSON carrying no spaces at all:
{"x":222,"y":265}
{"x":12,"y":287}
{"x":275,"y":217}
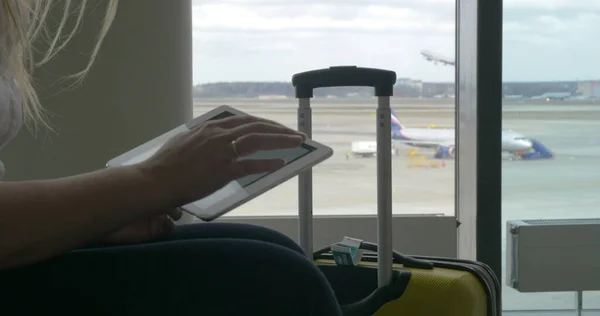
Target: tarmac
{"x":564,"y":187}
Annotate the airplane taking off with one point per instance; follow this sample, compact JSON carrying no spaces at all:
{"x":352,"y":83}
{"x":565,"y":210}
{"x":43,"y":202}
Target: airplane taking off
{"x":436,"y":58}
{"x":443,"y":140}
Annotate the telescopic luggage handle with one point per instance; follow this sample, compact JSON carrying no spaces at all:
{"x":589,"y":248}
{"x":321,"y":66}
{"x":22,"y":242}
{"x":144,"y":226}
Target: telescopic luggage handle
{"x":344,"y":76}
{"x":383,"y":83}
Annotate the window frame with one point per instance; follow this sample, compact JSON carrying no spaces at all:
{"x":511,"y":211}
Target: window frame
{"x":479,"y":130}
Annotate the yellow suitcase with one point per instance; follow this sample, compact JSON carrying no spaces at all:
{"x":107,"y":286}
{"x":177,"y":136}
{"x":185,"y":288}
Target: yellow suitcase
{"x":386,"y":283}
{"x":420,"y":286}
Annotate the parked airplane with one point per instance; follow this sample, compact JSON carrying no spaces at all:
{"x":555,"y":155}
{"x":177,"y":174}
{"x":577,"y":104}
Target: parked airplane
{"x":443,"y":140}
{"x":436,"y":58}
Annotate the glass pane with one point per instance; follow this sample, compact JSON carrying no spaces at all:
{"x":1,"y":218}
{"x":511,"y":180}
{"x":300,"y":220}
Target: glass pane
{"x":245,"y":53}
{"x":551,"y":88}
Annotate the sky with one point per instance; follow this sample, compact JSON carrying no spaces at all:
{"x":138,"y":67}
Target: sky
{"x":270,"y":40}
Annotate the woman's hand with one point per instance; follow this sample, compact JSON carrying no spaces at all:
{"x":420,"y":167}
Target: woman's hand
{"x":200,"y":161}
{"x":147,"y":229}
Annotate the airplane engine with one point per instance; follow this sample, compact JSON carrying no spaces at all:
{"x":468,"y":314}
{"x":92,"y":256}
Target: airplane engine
{"x":451,"y":151}
{"x":445,"y":152}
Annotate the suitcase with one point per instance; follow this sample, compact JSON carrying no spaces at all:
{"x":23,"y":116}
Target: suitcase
{"x":373,"y":279}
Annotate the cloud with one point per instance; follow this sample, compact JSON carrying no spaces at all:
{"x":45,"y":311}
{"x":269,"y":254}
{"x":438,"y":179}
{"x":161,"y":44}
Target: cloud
{"x":272,"y":39}
{"x":552,"y":46}
{"x":552,"y":5}
{"x":318,"y":17}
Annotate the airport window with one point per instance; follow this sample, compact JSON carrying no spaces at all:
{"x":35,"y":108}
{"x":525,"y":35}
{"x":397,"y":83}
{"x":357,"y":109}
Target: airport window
{"x":551,"y":88}
{"x":245,"y":53}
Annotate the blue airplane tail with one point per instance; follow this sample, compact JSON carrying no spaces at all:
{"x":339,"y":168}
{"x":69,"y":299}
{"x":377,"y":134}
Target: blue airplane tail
{"x":396,"y":125}
{"x":397,"y":128}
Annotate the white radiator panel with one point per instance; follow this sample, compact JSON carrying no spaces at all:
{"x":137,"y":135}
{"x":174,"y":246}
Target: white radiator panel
{"x":553,"y":255}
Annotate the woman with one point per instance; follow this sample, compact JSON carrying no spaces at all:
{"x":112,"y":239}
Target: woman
{"x":105,"y":243}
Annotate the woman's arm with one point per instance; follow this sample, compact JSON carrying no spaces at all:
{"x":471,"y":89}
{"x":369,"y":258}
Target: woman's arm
{"x":39,"y":219}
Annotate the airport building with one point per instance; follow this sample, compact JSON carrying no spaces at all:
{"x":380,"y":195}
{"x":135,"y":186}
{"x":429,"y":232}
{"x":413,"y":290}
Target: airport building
{"x":408,"y":88}
{"x":528,"y":90}
{"x":539,"y":89}
{"x":589,"y":89}
{"x":404,"y":88}
{"x":438,"y":89}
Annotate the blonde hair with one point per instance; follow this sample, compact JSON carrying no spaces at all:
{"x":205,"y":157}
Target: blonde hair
{"x":27,"y":25}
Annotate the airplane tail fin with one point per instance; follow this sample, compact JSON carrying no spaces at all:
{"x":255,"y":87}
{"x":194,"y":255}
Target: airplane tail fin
{"x":396,"y":125}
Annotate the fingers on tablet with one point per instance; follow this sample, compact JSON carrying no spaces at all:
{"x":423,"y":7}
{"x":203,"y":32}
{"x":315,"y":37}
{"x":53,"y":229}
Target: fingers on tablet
{"x":251,"y":143}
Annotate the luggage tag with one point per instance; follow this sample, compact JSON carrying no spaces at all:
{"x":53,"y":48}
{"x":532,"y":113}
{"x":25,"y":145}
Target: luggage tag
{"x":347,"y":252}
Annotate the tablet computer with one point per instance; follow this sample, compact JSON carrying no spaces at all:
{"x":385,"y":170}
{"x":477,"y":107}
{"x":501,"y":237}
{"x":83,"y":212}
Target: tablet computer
{"x":242,"y":190}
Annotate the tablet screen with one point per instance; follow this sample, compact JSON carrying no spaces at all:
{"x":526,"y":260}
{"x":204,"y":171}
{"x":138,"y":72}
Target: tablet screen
{"x":236,"y":186}
{"x":288,"y":155}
